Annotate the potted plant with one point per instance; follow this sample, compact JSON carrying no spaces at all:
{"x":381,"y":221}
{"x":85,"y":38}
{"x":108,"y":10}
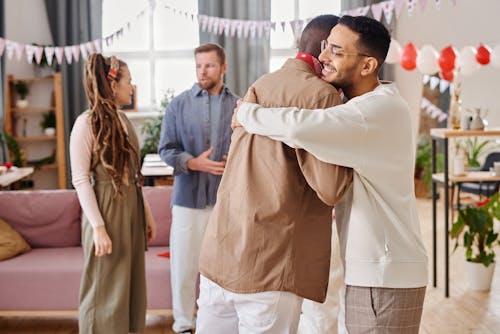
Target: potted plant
{"x":476,"y":229}
{"x":151,"y":128}
{"x":473,"y":149}
{"x":423,"y":166}
{"x":48,"y":123}
{"x":22,"y":90}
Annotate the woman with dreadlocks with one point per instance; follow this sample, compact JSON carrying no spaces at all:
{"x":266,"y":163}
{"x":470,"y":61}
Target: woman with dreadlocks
{"x":117,"y":221}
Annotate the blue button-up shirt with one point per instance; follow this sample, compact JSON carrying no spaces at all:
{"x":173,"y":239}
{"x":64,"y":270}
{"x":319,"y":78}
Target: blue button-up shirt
{"x":185,"y":134}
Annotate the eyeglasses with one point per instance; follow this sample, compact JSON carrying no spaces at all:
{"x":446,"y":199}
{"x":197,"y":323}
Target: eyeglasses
{"x":336,"y":52}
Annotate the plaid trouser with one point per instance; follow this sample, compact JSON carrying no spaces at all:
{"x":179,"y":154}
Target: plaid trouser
{"x":383,"y":310}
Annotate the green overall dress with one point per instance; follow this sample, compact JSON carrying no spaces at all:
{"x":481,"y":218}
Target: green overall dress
{"x":113,"y":287}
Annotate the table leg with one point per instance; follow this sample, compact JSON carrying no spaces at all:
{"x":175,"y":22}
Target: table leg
{"x":434,"y":217}
{"x":446,"y":217}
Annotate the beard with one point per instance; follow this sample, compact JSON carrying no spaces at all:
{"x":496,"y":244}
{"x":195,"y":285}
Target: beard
{"x":209,"y":84}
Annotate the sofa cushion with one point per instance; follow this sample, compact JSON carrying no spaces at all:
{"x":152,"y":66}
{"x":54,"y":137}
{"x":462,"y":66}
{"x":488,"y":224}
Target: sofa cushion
{"x":159,"y":200}
{"x":45,"y":218}
{"x":49,"y":279}
{"x":11,"y":243}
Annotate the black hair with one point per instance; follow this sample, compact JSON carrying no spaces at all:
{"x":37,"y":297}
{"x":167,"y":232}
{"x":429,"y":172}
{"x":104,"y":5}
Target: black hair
{"x":315,"y":31}
{"x":374,"y":38}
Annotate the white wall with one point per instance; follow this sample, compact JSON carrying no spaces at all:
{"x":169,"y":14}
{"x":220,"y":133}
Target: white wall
{"x":467,"y":23}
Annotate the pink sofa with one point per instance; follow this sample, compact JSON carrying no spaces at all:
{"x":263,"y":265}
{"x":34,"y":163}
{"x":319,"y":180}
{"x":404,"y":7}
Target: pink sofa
{"x":48,"y":277}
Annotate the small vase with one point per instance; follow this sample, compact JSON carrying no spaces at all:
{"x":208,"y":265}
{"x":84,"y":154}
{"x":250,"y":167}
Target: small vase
{"x":49,"y":131}
{"x":22,"y":104}
{"x":480,"y":276}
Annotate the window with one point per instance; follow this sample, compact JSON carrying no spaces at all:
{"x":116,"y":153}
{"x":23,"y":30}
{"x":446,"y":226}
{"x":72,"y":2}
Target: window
{"x":158,"y":48}
{"x":283,"y":45}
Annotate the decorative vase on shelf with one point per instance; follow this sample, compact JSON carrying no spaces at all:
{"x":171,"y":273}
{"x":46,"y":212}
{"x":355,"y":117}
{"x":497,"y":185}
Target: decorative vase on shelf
{"x":49,"y":131}
{"x":455,"y":108}
{"x":477,"y":122}
{"x":22,"y":104}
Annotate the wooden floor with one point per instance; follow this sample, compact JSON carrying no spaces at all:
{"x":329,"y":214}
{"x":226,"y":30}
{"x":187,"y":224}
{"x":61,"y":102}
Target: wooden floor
{"x":463,"y":312}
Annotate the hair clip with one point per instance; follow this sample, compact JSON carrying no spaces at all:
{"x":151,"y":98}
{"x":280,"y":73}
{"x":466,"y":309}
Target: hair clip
{"x":114,"y":68}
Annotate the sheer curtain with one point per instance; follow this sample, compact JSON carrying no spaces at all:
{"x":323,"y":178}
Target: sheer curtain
{"x":247,"y":58}
{"x":73,"y":22}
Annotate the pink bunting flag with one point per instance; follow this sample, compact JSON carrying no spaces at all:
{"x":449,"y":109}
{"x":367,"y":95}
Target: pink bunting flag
{"x":19,"y":48}
{"x":283,"y":24}
{"x":268,"y":26}
{"x":273,"y":26}
{"x":422,"y":3}
{"x":68,"y":53}
{"x":2,"y":46}
{"x":377,"y":10}
{"x":438,"y":4}
{"x":30,"y":52}
{"x":83,"y":50}
{"x":90,"y":47}
{"x":75,"y":50}
{"x":9,"y":47}
{"x":97,"y":45}
{"x":253,"y":29}
{"x":388,"y":7}
{"x":296,"y":26}
{"x":362,"y":11}
{"x":215,"y":23}
{"x":398,"y":6}
{"x":260,"y":28}
{"x":221,"y":26}
{"x":49,"y":54}
{"x":240,"y":28}
{"x":210,"y":23}
{"x":38,"y":54}
{"x":59,"y":54}
{"x":411,"y":4}
{"x":246,"y":28}
{"x":232,"y":27}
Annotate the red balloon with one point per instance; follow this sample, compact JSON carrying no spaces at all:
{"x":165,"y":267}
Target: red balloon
{"x":448,"y":76}
{"x":447,"y":58}
{"x":483,"y":54}
{"x":408,"y":59}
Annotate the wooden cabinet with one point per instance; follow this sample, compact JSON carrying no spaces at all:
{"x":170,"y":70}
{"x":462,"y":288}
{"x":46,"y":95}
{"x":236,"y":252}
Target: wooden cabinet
{"x":22,"y":123}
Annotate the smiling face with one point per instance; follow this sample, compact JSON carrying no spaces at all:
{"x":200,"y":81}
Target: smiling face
{"x":123,"y":88}
{"x":345,"y":64}
{"x":209,"y":71}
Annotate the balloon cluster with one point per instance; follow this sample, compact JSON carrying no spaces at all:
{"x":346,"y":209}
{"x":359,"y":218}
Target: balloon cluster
{"x":447,"y":62}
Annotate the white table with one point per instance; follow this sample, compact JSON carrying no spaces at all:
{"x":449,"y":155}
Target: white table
{"x":153,"y":167}
{"x":13,"y":175}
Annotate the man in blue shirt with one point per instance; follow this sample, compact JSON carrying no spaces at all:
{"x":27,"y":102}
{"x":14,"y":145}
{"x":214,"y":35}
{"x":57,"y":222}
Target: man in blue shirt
{"x":195,"y":137}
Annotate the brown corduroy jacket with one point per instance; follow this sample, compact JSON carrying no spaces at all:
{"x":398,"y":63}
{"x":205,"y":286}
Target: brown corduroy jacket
{"x":270,"y":228}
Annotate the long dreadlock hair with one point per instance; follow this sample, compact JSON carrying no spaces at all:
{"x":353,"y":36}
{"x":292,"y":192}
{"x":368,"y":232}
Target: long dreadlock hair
{"x":111,"y":141}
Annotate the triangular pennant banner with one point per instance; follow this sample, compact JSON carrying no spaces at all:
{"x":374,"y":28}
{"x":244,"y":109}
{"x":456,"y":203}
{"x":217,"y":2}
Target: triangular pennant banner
{"x":426,"y":79}
{"x":38,"y":54}
{"x":49,"y":53}
{"x":67,"y":53}
{"x":362,"y":11}
{"x":434,"y":82}
{"x":443,"y":85}
{"x":411,"y":6}
{"x":438,"y":4}
{"x":2,"y":46}
{"x":97,"y":45}
{"x":59,"y":54}
{"x":423,"y":3}
{"x":83,"y":50}
{"x":75,"y":50}
{"x":398,"y":6}
{"x":30,"y":52}
{"x":388,"y":8}
{"x":19,"y":50}
{"x":377,"y":10}
{"x":9,"y":46}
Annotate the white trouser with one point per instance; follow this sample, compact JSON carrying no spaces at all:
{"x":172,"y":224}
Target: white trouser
{"x":223,"y":311}
{"x":320,"y":318}
{"x":186,"y":235}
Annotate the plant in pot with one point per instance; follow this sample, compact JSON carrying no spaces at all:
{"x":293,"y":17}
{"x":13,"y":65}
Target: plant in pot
{"x":473,"y":148}
{"x":423,"y":166}
{"x":475,"y":227}
{"x":48,"y":123}
{"x":22,"y":90}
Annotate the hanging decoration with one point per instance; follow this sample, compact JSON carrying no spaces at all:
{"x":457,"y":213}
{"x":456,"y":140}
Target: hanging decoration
{"x":432,"y":110}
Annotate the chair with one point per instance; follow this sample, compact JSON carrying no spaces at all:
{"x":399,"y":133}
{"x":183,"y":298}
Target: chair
{"x":482,"y":188}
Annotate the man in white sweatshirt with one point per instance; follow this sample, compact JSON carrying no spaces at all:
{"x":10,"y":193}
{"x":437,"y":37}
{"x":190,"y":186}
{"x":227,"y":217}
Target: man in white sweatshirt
{"x":385,"y":259}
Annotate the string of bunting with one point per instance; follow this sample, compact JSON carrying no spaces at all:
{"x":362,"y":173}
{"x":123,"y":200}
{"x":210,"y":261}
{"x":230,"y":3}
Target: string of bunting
{"x":432,"y":110}
{"x":212,"y":24}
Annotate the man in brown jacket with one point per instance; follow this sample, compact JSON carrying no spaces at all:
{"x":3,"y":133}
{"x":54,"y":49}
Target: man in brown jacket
{"x":267,"y":243}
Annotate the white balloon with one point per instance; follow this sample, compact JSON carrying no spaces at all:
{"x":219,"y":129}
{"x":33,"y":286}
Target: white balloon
{"x":394,"y":53}
{"x":466,"y":61}
{"x":495,"y":56}
{"x":427,"y":60}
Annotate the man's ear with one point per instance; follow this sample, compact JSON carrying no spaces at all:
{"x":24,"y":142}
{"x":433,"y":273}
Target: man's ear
{"x":370,"y":66}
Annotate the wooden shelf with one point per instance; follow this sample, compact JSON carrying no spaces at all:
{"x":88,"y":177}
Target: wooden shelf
{"x":32,"y":109}
{"x":448,"y":133}
{"x":12,"y":116}
{"x":35,"y":138}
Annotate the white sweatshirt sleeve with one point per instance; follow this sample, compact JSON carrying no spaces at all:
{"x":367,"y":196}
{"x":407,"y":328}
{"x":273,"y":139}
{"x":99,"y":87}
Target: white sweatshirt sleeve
{"x":335,"y":135}
{"x":80,"y":151}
